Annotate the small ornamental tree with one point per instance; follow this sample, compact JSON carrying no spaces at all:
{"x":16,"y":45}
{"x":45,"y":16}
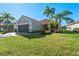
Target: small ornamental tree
{"x":54,"y":25}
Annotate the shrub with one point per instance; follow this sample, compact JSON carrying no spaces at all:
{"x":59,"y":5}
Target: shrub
{"x":66,"y":31}
{"x":54,"y":26}
{"x":40,"y":31}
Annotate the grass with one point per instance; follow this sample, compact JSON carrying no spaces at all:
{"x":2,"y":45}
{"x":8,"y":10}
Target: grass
{"x":2,"y":32}
{"x":41,"y":45}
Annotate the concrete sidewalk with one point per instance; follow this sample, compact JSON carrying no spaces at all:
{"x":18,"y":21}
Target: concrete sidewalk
{"x":8,"y":34}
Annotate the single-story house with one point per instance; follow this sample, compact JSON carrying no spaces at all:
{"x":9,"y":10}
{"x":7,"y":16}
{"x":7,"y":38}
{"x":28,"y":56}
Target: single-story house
{"x":27,"y":24}
{"x":72,"y":25}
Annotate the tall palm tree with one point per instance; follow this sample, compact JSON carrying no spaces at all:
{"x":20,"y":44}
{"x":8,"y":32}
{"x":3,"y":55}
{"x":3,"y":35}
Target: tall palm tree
{"x":68,"y":20}
{"x":49,"y":12}
{"x":58,"y":19}
{"x":61,"y":16}
{"x":7,"y":18}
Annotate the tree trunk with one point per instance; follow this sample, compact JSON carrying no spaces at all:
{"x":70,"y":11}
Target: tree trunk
{"x":56,"y":20}
{"x":56,"y":28}
{"x":49,"y":24}
{"x":7,"y":25}
{"x":7,"y":28}
{"x":59,"y":26}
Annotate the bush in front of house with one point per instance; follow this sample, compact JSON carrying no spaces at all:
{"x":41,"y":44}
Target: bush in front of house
{"x":40,"y":31}
{"x":54,"y":26}
{"x":76,"y":30}
{"x":66,"y":31}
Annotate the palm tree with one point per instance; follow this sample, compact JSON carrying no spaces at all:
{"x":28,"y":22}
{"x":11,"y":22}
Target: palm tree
{"x":61,"y":16}
{"x":7,"y":18}
{"x":68,"y":20}
{"x":49,"y":12}
{"x":58,"y":20}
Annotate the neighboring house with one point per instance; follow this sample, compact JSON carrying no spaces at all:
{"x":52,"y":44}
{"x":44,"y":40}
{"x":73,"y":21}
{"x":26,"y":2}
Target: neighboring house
{"x":27,"y":24}
{"x":72,"y":25}
{"x":1,"y":25}
{"x":3,"y":28}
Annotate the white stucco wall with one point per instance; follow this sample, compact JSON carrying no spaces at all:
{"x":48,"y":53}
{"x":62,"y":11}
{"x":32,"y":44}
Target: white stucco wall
{"x":1,"y":29}
{"x":24,"y":21}
{"x":71,"y":27}
{"x":36,"y":26}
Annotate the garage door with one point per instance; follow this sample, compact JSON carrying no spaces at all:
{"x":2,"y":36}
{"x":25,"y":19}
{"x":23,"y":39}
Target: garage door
{"x":23,"y":28}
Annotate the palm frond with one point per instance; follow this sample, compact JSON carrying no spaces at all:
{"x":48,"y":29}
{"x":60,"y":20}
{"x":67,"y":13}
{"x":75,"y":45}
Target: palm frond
{"x":12,"y":18}
{"x":68,"y":19}
{"x":57,"y":15}
{"x":6,"y":16}
{"x":53,"y":10}
{"x":49,"y":11}
{"x":66,"y":12}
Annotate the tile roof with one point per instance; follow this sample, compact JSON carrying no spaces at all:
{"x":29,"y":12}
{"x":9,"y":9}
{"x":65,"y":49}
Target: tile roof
{"x":45,"y":21}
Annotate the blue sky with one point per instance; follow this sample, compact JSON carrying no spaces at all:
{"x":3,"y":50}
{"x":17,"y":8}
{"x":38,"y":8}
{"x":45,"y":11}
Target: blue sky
{"x":35,"y":10}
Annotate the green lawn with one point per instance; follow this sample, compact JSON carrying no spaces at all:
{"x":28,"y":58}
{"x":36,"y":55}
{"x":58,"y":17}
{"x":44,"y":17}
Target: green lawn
{"x":43,"y":45}
{"x":2,"y":32}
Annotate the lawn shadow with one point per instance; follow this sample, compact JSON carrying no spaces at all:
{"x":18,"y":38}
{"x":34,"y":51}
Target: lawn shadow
{"x":32,"y":35}
{"x":70,"y":33}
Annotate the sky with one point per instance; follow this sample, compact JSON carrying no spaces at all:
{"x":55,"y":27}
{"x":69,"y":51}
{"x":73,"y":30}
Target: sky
{"x":35,"y":10}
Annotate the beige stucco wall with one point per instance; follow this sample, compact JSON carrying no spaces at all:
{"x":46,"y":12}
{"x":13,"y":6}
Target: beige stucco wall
{"x":71,"y":27}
